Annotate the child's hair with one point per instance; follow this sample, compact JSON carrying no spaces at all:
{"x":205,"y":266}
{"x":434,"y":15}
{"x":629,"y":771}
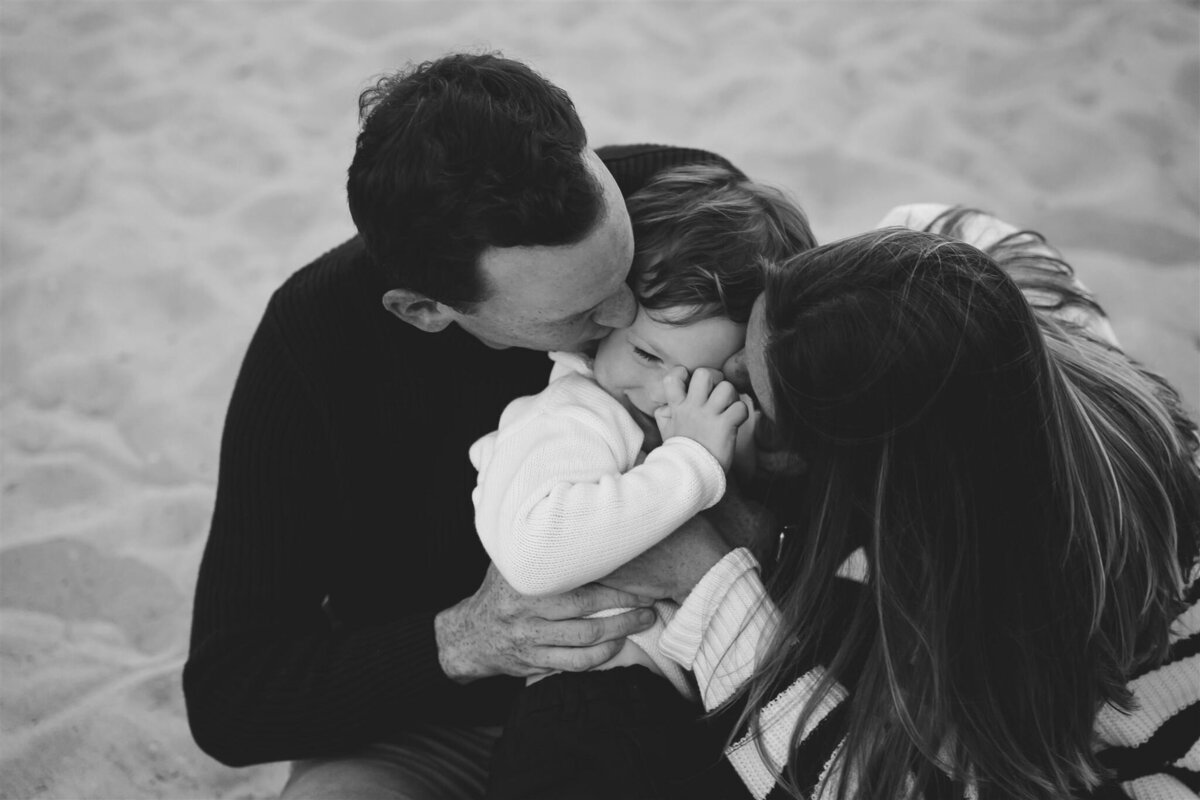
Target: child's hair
{"x":701,"y":234}
{"x":1027,"y":498}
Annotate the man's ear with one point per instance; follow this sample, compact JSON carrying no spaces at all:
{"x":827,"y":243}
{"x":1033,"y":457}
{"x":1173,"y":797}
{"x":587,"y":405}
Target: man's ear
{"x":418,"y":310}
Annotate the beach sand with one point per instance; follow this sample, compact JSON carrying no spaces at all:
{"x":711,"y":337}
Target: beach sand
{"x":163,"y":166}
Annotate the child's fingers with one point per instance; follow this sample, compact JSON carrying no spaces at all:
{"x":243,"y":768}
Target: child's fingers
{"x":722,"y":396}
{"x":675,"y":385}
{"x":702,"y":383}
{"x":736,"y":414}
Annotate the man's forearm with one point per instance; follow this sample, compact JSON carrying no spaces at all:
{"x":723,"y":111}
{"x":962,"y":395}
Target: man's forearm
{"x":253,"y":698}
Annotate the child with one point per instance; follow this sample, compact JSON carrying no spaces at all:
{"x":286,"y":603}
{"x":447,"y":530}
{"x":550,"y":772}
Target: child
{"x":567,"y":492}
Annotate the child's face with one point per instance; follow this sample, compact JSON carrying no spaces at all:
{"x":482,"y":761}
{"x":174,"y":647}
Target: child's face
{"x":631,"y":362}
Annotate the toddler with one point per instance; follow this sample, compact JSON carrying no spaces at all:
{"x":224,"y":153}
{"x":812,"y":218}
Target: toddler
{"x":617,"y":452}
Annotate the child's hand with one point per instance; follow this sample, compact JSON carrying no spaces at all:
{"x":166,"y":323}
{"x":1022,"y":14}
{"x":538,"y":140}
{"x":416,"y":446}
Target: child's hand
{"x":745,"y":455}
{"x":708,"y":411}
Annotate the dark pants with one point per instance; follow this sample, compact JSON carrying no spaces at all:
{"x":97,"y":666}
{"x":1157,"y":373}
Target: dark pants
{"x":426,"y":762}
{"x":620,"y":733}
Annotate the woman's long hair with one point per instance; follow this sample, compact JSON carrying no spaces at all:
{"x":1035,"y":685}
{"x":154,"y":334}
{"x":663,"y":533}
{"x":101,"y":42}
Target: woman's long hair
{"x":1026,"y":497}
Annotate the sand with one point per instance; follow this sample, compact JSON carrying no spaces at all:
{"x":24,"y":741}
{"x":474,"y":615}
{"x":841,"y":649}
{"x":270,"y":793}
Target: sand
{"x":164,"y":165}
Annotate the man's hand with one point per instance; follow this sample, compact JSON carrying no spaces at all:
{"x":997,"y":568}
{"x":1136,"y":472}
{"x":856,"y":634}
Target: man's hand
{"x":673,"y":566}
{"x":499,"y":632}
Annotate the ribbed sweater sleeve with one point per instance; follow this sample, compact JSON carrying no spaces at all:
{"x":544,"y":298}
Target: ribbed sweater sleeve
{"x":269,"y":677}
{"x":632,"y":165}
{"x":721,"y":632}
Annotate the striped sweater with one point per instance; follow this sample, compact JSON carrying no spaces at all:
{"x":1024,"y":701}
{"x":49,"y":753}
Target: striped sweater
{"x":1154,"y":751}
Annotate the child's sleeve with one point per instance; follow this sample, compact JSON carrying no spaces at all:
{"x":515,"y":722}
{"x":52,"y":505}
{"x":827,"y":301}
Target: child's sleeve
{"x":561,"y":499}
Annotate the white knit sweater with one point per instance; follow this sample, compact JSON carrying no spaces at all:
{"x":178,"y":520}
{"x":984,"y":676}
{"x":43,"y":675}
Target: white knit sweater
{"x":565,"y":494}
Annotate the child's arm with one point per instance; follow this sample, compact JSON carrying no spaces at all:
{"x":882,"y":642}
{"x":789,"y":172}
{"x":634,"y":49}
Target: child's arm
{"x":561,"y":500}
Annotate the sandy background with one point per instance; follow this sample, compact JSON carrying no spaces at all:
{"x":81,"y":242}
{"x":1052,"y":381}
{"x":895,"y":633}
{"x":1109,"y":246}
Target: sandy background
{"x":164,"y":165}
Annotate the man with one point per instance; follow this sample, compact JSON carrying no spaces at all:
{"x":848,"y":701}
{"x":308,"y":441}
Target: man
{"x":345,"y":614}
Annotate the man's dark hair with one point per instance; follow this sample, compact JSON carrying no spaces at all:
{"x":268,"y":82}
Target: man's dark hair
{"x":461,"y":154}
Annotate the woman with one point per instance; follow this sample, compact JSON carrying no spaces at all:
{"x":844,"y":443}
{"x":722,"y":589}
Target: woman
{"x":999,"y":529}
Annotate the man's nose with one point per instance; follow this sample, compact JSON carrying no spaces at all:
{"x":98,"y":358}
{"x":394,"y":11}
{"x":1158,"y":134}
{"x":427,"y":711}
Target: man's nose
{"x":618,"y":310}
{"x":735,"y":370}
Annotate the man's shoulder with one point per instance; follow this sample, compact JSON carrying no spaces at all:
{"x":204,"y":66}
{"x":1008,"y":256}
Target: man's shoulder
{"x":336,"y":296}
{"x":328,"y":315}
{"x":633,"y":165}
{"x":344,"y":269}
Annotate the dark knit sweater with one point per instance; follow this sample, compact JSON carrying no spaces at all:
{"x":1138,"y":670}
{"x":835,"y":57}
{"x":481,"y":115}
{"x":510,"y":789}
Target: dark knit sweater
{"x":343,"y":521}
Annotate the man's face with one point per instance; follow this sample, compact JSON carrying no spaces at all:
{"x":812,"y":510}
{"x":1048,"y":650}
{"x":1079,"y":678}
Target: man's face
{"x":631,"y":363}
{"x":559,"y":298}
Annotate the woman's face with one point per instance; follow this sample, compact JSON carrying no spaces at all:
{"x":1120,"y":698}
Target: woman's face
{"x":756,"y":358}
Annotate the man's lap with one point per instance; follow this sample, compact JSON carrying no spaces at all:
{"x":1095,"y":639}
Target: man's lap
{"x":427,"y":763}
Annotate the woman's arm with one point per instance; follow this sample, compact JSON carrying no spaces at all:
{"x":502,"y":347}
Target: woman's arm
{"x":720,"y":632}
{"x":1154,"y":748}
{"x":1048,"y":282}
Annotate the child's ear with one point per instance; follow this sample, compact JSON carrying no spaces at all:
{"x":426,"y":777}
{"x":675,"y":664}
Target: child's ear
{"x":418,"y":310}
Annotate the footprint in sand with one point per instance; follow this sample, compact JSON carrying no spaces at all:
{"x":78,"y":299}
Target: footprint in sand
{"x":1187,"y":85}
{"x":49,"y":486}
{"x":93,"y":387}
{"x":74,"y":581}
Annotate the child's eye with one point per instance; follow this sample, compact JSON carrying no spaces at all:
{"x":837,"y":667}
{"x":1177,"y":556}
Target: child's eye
{"x":642,"y":355}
